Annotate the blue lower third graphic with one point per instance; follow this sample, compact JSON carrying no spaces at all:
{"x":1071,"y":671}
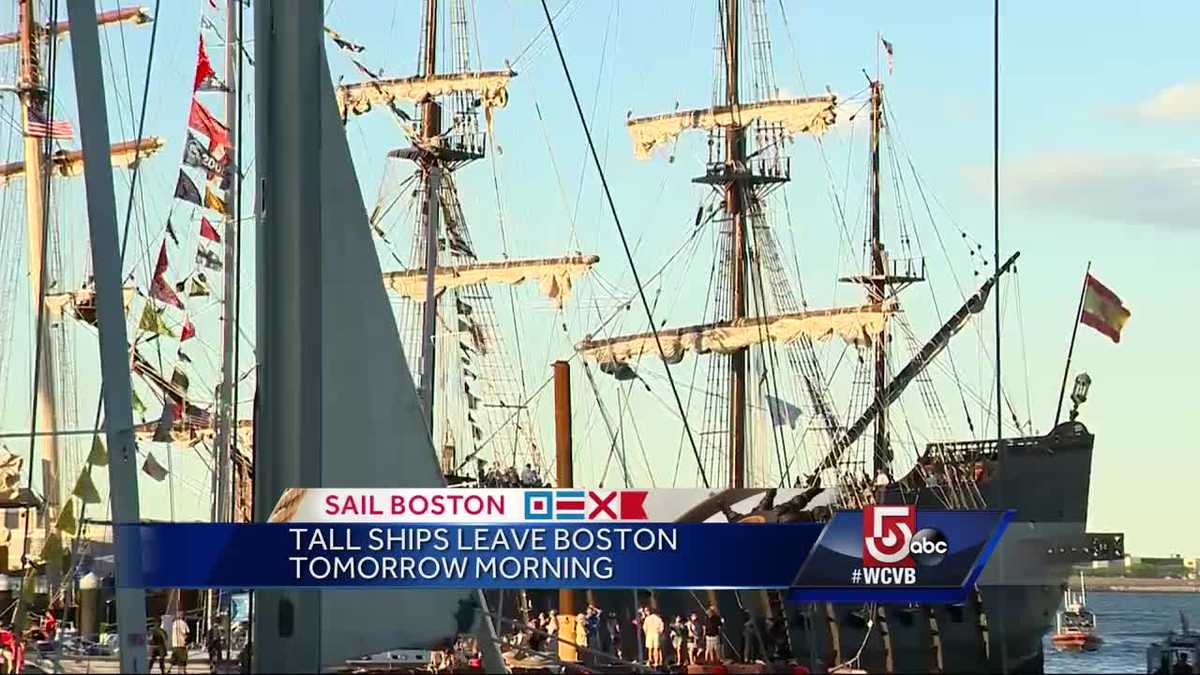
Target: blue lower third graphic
{"x":929,"y":556}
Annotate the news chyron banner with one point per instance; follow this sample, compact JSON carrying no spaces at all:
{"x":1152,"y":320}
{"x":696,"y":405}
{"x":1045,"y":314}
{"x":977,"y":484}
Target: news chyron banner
{"x":562,"y":538}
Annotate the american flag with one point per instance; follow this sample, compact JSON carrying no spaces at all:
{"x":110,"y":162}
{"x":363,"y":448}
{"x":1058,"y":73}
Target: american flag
{"x":39,"y":128}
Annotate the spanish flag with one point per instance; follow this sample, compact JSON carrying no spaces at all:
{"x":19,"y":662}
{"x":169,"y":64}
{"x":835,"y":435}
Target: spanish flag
{"x":1102,"y":309}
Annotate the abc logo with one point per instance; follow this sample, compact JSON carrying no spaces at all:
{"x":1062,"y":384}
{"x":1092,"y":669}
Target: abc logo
{"x":928,"y":547}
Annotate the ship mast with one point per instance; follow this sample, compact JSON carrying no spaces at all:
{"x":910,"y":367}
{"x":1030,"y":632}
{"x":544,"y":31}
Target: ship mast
{"x":878,"y":285}
{"x":877,"y":281}
{"x":33,"y":169}
{"x":227,"y":395}
{"x":431,"y":122}
{"x":735,"y":158}
{"x":33,"y":99}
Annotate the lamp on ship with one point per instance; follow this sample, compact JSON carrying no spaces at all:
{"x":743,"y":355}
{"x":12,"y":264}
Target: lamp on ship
{"x":1083,"y":382}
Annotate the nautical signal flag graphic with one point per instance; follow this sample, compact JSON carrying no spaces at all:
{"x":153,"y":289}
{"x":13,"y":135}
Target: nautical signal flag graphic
{"x":585,"y":505}
{"x":1102,"y":309}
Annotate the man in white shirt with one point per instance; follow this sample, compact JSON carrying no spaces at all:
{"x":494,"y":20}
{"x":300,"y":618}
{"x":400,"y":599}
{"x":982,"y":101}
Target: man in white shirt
{"x":179,"y":640}
{"x":652,"y":625}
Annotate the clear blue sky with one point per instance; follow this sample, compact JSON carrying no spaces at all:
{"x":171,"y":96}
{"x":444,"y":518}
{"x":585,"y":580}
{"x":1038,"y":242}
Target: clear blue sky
{"x":1100,"y":109}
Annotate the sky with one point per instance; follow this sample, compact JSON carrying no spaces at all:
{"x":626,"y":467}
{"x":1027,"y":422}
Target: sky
{"x":1099,"y":106}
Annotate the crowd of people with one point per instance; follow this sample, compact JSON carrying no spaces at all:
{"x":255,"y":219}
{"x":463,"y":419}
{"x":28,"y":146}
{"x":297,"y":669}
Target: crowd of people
{"x":495,"y":477}
{"x":695,"y":639}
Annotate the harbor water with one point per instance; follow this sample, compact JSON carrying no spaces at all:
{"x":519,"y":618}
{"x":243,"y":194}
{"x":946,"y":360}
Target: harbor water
{"x":1128,"y":622}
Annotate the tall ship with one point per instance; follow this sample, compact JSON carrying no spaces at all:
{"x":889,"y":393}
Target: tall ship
{"x":772,"y":411}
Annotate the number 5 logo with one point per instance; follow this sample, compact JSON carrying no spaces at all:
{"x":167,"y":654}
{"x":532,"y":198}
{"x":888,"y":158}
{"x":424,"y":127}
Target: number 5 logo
{"x":887,"y":532}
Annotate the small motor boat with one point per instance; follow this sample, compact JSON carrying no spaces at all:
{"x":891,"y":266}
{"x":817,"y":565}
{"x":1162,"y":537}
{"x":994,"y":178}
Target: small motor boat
{"x":1075,"y":624}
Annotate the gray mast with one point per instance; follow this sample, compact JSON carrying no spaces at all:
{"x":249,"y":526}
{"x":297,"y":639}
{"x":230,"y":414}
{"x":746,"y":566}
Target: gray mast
{"x":335,"y":406}
{"x":227,"y":395}
{"x":114,"y":343}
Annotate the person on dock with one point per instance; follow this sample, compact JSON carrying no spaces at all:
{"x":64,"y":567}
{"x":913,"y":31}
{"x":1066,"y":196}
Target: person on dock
{"x":552,"y":630}
{"x":1182,"y":667}
{"x":652,"y":625}
{"x":158,"y":647}
{"x":213,"y":643}
{"x":180,"y":632}
{"x":613,"y":626}
{"x":679,"y":639}
{"x":712,"y":635}
{"x":581,"y":636}
{"x":695,"y":633}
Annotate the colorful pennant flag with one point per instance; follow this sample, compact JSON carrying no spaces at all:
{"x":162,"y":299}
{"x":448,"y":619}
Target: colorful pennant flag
{"x":138,"y":407}
{"x":887,"y":47}
{"x":186,"y":190}
{"x":197,"y":286}
{"x":85,"y":489}
{"x":162,"y":433}
{"x":64,"y":523}
{"x":152,"y":468}
{"x":151,"y":322}
{"x":343,"y":43}
{"x":197,"y":156}
{"x":208,"y":259}
{"x":204,"y":68}
{"x":161,"y":265}
{"x":98,"y":455}
{"x":188,"y":331}
{"x":180,"y":380}
{"x":162,"y":291}
{"x":208,"y":231}
{"x":212,"y":201}
{"x":203,"y":121}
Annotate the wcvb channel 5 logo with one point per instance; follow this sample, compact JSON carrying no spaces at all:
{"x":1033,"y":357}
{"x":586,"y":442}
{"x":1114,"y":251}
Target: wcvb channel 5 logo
{"x":893,"y":546}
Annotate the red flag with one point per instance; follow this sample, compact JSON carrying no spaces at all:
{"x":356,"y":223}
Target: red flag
{"x":208,"y":231}
{"x":161,"y":266}
{"x":161,"y":290}
{"x":204,"y":69}
{"x":188,"y":330}
{"x":633,"y":504}
{"x":201,"y":120}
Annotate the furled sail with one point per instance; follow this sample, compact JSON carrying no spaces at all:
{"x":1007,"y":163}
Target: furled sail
{"x":856,"y":325}
{"x":358,"y":98}
{"x":554,"y":275}
{"x":67,"y":163}
{"x":812,"y":115}
{"x":82,"y":302}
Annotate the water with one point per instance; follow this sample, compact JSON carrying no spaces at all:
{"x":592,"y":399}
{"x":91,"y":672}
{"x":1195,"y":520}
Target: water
{"x":1128,"y":622}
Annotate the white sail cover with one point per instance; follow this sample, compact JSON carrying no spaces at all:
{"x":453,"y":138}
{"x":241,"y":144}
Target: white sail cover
{"x":554,"y":275}
{"x":856,"y":325}
{"x":811,"y":115}
{"x":491,"y":85}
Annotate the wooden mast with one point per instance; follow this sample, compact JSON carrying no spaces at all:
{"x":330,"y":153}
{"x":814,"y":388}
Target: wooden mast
{"x":431,"y":122}
{"x":33,"y":99}
{"x":877,"y":286}
{"x":735,"y":157}
{"x":565,"y":468}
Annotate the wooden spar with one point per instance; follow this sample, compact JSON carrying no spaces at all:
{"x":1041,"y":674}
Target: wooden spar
{"x":135,"y":15}
{"x":565,"y":471}
{"x":69,"y":163}
{"x":735,"y":157}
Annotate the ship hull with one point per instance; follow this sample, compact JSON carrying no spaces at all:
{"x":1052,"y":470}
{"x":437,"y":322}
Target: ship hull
{"x":1000,"y":629}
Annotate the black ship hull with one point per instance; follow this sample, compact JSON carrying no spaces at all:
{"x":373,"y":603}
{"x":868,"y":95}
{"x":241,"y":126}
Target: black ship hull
{"x":999,"y":629}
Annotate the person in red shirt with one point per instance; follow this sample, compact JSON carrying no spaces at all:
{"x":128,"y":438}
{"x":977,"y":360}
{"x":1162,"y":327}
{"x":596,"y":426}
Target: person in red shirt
{"x":49,"y":624}
{"x":8,"y":648}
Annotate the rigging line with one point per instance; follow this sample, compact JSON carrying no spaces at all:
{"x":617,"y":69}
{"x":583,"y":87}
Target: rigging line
{"x":1024,"y":353}
{"x":624,"y":242}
